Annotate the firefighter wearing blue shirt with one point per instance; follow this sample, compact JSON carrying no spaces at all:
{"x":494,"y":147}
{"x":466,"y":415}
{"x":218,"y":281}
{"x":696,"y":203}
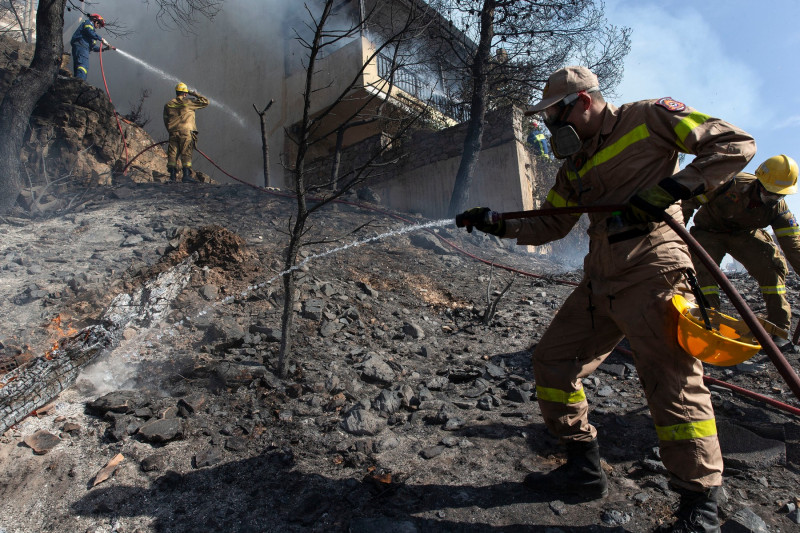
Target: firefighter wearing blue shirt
{"x":84,"y":41}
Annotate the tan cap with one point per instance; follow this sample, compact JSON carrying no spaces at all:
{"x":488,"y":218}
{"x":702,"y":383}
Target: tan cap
{"x":561,"y":84}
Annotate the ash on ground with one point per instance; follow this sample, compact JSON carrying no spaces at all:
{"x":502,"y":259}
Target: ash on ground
{"x":402,"y":410}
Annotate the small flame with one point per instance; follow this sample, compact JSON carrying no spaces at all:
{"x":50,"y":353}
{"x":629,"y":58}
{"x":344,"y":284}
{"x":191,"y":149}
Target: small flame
{"x":57,"y":332}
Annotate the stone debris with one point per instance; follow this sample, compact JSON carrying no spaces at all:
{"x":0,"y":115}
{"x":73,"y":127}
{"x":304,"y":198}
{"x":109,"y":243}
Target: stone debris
{"x":108,"y":470}
{"x":392,"y":375}
{"x":41,"y":442}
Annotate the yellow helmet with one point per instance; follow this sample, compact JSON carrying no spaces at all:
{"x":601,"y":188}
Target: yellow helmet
{"x":728,"y":343}
{"x":181,"y":88}
{"x":778,"y":174}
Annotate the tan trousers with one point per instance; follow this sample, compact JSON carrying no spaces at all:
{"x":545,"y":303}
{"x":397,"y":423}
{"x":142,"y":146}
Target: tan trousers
{"x":181,"y":146}
{"x":583,"y":333}
{"x":756,"y":251}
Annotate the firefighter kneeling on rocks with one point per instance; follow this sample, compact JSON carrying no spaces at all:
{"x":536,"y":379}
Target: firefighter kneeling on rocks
{"x":732,"y":221}
{"x":180,"y":122}
{"x":635,"y":265}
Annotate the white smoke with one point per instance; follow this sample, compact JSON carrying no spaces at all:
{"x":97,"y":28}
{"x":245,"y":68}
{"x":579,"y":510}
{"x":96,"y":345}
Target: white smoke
{"x":235,"y":59}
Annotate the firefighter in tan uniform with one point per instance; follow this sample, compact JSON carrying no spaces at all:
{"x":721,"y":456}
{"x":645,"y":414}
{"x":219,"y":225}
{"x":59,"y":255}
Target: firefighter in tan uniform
{"x":732,"y":223}
{"x":182,"y":127}
{"x":626,"y":155}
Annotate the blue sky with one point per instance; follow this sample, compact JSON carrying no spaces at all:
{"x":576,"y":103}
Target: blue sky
{"x":734,"y":59}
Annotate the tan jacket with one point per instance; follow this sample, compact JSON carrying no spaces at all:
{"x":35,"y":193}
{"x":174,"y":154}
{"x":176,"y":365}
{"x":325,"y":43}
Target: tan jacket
{"x":179,"y":113}
{"x":637,"y":146}
{"x":738,"y":209}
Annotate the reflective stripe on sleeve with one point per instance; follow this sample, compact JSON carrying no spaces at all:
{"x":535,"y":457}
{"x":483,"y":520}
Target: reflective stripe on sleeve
{"x":560,"y":396}
{"x":773,"y":289}
{"x":685,"y":127}
{"x":556,"y":200}
{"x":687,"y":430}
{"x":785,"y":232}
{"x":638,"y":133}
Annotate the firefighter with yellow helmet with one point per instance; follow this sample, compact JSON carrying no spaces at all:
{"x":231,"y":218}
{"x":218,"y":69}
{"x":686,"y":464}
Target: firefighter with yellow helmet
{"x":182,"y":127}
{"x":732,"y":221}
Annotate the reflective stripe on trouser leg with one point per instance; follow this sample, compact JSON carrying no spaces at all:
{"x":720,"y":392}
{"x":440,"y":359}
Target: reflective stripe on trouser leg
{"x":185,"y":149}
{"x":760,"y":256}
{"x":572,"y":348}
{"x":80,"y":61}
{"x":679,"y":401}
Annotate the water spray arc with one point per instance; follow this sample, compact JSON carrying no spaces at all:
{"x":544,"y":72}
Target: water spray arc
{"x":355,"y":244}
{"x":214,"y":102}
{"x":129,"y":349}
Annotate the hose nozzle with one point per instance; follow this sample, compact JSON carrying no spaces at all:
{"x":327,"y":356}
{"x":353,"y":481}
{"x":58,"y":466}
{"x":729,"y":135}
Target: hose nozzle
{"x":477,"y":217}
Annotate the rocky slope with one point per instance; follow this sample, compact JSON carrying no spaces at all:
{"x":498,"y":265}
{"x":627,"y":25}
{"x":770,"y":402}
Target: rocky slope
{"x":402,"y":411}
{"x":74,"y":137}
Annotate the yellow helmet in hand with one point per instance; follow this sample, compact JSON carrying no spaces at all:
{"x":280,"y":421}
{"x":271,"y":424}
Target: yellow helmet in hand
{"x":728,"y":342}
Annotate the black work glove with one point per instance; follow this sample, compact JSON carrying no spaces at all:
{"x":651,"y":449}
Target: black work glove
{"x":649,"y":205}
{"x":480,"y":218}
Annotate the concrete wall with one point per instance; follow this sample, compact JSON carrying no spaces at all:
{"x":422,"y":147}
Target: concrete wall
{"x":422,"y":180}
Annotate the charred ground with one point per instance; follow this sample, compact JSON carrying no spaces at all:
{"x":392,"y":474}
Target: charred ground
{"x":403,"y":411}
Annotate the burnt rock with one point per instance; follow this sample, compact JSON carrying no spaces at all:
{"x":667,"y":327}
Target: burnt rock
{"x":361,"y":422}
{"x":236,"y":374}
{"x":163,"y":430}
{"x":126,"y":401}
{"x":41,"y":442}
{"x":376,"y":369}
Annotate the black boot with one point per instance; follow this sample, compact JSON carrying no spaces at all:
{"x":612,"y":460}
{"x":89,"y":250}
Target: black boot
{"x":581,"y":476}
{"x":187,"y":175}
{"x":173,"y":174}
{"x":697,"y":512}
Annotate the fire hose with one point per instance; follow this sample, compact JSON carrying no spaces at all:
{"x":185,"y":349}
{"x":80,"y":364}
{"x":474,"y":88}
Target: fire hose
{"x":788,"y":373}
{"x":781,"y":364}
{"x":116,"y":115}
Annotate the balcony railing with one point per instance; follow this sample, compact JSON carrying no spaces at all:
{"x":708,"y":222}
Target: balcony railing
{"x":408,"y":81}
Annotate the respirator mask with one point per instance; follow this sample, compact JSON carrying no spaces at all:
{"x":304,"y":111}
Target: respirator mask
{"x":564,"y":140}
{"x":768,"y":198}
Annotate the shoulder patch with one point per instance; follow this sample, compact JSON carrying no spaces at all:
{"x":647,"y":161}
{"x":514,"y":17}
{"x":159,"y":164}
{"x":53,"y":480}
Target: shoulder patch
{"x":671,"y":105}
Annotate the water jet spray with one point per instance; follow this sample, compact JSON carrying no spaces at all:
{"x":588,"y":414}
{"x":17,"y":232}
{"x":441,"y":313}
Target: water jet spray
{"x":213,"y":101}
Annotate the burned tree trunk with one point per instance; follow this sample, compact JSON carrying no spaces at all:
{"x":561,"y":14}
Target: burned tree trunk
{"x":21,"y":98}
{"x":39,"y":382}
{"x":474,"y":136}
{"x":34,"y":385}
{"x":262,"y":115}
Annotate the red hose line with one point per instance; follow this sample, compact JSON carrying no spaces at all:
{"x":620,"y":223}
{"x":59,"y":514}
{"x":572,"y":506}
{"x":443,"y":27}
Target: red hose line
{"x":116,"y":115}
{"x":735,"y":388}
{"x":129,"y":163}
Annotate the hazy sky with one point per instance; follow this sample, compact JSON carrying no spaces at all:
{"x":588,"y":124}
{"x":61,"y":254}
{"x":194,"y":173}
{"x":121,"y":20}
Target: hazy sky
{"x":735,"y":59}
